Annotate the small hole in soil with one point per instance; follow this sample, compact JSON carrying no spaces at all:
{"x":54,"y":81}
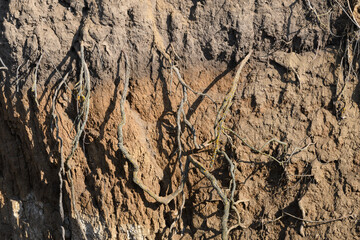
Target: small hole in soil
{"x":357,"y":10}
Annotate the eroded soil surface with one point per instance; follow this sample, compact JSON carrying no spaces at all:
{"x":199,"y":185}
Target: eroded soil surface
{"x":300,"y":87}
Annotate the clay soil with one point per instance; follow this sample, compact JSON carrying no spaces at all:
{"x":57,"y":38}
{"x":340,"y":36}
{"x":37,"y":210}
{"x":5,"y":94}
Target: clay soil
{"x":300,"y":86}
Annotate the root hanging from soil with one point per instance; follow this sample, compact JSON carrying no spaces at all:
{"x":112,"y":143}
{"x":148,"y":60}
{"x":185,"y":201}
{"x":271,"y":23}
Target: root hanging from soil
{"x":227,"y":201}
{"x":83,"y":106}
{"x":34,"y":85}
{"x":127,"y":155}
{"x":62,"y":161}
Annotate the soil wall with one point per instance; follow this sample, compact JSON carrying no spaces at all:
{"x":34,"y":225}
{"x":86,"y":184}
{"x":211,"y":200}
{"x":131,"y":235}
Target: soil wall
{"x":64,"y":174}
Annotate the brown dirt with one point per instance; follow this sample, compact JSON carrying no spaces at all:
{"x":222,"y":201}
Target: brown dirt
{"x":290,"y":90}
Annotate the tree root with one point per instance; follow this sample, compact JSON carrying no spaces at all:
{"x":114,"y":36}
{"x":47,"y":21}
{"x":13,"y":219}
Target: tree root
{"x":164,"y":200}
{"x":228,"y":202}
{"x":62,"y":162}
{"x":33,"y":88}
{"x":225,"y":106}
{"x":83,"y":101}
{"x":4,"y":67}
